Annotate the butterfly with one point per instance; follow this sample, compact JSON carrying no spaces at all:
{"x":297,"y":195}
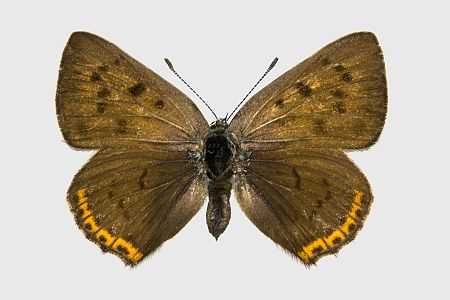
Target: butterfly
{"x":283,"y":153}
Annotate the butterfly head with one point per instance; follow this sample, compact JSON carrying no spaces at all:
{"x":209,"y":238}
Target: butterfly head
{"x":219,"y":126}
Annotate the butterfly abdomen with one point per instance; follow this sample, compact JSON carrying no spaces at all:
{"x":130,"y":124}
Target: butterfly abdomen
{"x":218,"y":213}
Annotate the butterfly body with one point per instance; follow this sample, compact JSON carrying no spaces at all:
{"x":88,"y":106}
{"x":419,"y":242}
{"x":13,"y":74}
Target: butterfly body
{"x":283,"y":154}
{"x":221,"y":162}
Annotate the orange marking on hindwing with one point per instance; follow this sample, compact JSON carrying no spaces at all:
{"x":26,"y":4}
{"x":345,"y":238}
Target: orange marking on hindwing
{"x":303,"y":256}
{"x":81,"y":196}
{"x":125,"y":247}
{"x":358,"y":197}
{"x":316,"y":247}
{"x":90,"y":225}
{"x":102,"y":235}
{"x":355,"y":208}
{"x":320,"y":245}
{"x":335,"y":238}
{"x":85,"y":210}
{"x":347,"y":225}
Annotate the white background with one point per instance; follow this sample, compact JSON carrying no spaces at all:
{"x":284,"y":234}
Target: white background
{"x":221,"y":49}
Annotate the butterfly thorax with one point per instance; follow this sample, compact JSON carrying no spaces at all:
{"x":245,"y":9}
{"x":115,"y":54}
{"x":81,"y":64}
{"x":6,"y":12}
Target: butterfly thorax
{"x":219,"y":151}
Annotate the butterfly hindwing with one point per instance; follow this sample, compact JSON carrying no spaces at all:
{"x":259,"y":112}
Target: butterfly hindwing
{"x":309,"y":201}
{"x":337,"y":98}
{"x":105,"y":98}
{"x":129,"y":201}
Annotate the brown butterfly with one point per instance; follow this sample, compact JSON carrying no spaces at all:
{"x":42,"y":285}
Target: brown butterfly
{"x":282,"y":154}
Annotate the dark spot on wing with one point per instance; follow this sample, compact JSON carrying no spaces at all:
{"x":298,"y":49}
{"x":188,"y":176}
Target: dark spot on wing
{"x":351,"y":227}
{"x":120,"y":203}
{"x":110,"y":192}
{"x":339,"y":107}
{"x":320,"y":126}
{"x":88,"y":226}
{"x":328,"y":196}
{"x":95,"y":77}
{"x":317,"y":250}
{"x":325,"y":61}
{"x":338,"y":93}
{"x":328,"y":231}
{"x":297,"y":182}
{"x":118,"y":61}
{"x":159,"y":104}
{"x":359,"y":213}
{"x":121,"y":126}
{"x":101,"y":107}
{"x":304,"y":89}
{"x":102,"y":239}
{"x":339,"y":68}
{"x":363,"y":200}
{"x":103,"y":93}
{"x":137,"y":89}
{"x":319,"y":203}
{"x":279,"y":103}
{"x":123,"y":250}
{"x":142,"y":179}
{"x":347,"y":77}
{"x":103,"y":68}
{"x":337,"y":240}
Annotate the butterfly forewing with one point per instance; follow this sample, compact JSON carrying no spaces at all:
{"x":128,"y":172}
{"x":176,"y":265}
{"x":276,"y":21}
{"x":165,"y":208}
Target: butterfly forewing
{"x":309,"y":201}
{"x":105,"y":98}
{"x":130,"y":201}
{"x":337,"y":98}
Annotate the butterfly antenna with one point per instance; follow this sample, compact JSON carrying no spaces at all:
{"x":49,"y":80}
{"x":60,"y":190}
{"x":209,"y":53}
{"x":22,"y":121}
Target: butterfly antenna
{"x":175,"y":72}
{"x":272,"y":64}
